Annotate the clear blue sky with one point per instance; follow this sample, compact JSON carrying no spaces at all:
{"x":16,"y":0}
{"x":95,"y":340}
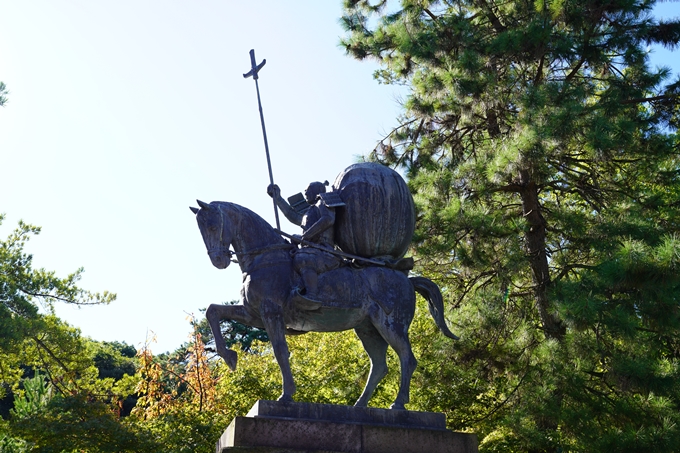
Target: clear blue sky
{"x":122,"y":113}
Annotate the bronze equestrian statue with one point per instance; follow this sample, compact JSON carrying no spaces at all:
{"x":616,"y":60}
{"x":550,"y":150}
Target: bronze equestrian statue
{"x":377,"y":301}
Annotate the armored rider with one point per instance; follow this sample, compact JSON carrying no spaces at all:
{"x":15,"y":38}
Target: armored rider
{"x":317,"y":226}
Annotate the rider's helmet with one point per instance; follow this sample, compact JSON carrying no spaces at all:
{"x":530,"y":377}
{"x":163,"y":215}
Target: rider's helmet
{"x":313,"y":190}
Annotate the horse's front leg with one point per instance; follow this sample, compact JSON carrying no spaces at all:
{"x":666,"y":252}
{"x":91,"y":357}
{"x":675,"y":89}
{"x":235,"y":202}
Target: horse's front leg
{"x":216,"y":313}
{"x":272,"y":316}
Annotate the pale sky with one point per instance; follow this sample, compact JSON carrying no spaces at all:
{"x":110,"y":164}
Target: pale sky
{"x":122,"y":113}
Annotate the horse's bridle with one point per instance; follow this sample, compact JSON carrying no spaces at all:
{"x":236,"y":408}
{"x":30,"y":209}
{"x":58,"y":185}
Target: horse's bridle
{"x":220,"y":249}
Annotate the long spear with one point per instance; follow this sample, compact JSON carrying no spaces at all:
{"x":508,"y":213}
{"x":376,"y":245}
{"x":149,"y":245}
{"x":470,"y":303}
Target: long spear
{"x":254,"y":69}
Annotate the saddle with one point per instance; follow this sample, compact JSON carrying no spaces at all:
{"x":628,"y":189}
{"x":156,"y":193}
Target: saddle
{"x":346,"y":288}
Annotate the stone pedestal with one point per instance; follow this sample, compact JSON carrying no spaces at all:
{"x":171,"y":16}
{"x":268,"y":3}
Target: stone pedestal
{"x":274,"y":427}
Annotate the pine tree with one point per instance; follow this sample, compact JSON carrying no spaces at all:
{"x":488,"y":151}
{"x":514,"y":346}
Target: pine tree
{"x":542,"y":152}
{"x":3,"y":94}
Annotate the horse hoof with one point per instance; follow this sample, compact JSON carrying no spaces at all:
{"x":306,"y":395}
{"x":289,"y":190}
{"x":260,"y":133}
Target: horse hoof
{"x":397,"y":407}
{"x":231,"y":358}
{"x":285,"y":398}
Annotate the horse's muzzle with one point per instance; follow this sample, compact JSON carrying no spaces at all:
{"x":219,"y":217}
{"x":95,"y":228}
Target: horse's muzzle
{"x":219,"y":260}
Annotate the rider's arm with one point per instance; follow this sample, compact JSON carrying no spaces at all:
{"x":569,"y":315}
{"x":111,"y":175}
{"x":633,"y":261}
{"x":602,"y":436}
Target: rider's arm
{"x":325,"y":222}
{"x":291,"y":214}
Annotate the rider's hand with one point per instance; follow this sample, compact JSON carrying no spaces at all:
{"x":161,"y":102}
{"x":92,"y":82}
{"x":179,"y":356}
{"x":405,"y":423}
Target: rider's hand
{"x":273,"y":191}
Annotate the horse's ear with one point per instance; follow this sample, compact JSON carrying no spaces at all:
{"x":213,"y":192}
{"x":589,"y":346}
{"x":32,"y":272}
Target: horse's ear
{"x":203,"y":204}
{"x":194,"y":210}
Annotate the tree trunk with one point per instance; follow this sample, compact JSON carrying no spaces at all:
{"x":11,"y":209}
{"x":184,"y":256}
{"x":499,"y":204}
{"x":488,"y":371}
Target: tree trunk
{"x":538,"y":259}
{"x":553,"y":327}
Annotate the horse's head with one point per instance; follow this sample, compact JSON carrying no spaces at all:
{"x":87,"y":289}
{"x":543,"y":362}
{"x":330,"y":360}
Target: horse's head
{"x":216,"y":231}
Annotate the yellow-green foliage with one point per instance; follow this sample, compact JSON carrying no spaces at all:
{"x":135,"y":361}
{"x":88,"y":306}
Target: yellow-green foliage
{"x":329,"y":368}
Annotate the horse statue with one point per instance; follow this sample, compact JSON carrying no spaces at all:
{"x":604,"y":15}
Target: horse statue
{"x":377,"y":302}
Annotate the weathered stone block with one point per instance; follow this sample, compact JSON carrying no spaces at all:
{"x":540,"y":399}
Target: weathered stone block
{"x":347,"y":414}
{"x":273,"y":427}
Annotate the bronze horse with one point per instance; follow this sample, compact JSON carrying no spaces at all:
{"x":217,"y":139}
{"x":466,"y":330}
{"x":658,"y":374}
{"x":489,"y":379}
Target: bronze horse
{"x":377,"y":302}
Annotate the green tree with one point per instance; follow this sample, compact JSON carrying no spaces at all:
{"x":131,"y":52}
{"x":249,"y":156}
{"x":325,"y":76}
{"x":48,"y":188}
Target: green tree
{"x":114,"y":359}
{"x":24,"y":290}
{"x":3,"y":94}
{"x":541,"y":150}
{"x":62,"y":401}
{"x":71,"y":405}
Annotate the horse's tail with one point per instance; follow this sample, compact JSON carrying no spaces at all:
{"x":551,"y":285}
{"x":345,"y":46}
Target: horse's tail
{"x":430,"y":291}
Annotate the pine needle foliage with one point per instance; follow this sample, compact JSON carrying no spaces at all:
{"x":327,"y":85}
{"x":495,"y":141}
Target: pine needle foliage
{"x":542,"y":151}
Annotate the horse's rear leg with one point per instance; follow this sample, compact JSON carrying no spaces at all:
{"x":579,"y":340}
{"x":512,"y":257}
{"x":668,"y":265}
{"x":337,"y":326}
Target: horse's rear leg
{"x":376,"y":348}
{"x":216,"y":313}
{"x":396,"y":334}
{"x":272,"y":316}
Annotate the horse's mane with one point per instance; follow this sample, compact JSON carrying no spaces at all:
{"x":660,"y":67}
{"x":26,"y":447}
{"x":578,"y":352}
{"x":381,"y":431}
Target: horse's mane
{"x":250,"y":222}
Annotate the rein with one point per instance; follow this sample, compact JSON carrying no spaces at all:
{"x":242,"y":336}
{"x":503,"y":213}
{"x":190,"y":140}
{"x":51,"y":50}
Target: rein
{"x":258,"y":251}
{"x":262,"y":250}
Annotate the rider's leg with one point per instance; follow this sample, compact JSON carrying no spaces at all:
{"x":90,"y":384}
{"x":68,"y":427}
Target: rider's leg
{"x":311,"y":281}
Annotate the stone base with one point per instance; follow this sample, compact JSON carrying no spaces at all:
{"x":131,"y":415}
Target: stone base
{"x":274,"y":427}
